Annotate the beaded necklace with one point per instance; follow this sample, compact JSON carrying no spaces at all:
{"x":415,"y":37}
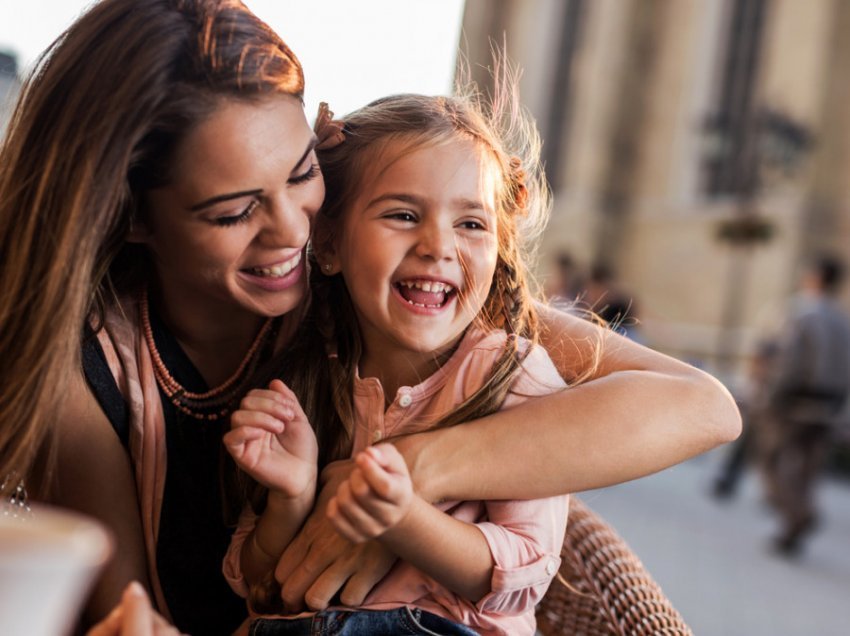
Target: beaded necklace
{"x":219,"y":401}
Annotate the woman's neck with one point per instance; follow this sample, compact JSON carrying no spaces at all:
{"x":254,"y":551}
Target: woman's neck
{"x":215,"y":339}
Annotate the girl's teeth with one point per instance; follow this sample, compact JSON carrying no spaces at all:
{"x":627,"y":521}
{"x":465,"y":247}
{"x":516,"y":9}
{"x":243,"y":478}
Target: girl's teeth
{"x":410,"y":302}
{"x":428,"y":286}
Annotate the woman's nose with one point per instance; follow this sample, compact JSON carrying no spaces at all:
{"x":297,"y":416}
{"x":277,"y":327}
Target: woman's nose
{"x":287,"y":225}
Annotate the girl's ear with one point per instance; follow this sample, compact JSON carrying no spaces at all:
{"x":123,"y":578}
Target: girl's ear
{"x":324,"y":247}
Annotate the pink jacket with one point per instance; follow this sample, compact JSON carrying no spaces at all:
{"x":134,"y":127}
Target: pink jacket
{"x":524,"y":537}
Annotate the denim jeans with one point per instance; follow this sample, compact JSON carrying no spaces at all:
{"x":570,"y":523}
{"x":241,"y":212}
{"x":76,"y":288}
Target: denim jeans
{"x":397,"y":622}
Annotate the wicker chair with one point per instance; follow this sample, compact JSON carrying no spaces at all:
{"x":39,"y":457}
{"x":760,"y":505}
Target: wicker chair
{"x":612,"y":593}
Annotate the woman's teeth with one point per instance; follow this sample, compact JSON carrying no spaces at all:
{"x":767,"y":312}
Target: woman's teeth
{"x":278,"y":271}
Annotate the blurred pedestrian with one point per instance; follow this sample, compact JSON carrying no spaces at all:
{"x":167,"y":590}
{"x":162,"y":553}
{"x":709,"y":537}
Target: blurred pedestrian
{"x":564,"y":282}
{"x":605,"y":297}
{"x":756,"y":438}
{"x":807,"y":388}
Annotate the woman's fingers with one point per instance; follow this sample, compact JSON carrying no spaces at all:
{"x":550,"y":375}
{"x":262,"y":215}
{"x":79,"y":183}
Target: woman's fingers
{"x":304,"y":560}
{"x":134,"y":617}
{"x":343,"y":524}
{"x":367,"y":564}
{"x":138,"y":614}
{"x":352,"y":576}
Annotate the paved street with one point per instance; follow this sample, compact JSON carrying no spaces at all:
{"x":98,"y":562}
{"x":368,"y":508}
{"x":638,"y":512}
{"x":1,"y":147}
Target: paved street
{"x":712,"y":560}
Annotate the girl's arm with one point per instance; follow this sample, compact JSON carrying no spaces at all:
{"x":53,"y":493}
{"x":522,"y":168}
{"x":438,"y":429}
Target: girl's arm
{"x":272,"y":441}
{"x":93,"y":475}
{"x":378,"y":501}
{"x":639,"y":412}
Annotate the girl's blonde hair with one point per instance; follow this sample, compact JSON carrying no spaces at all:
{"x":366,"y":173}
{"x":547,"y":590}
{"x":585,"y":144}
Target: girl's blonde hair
{"x":510,"y":145}
{"x":96,"y":127}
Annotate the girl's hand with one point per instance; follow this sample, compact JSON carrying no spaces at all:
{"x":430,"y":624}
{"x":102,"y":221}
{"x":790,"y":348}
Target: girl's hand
{"x":376,"y":496}
{"x":271,"y":439}
{"x":134,"y":616}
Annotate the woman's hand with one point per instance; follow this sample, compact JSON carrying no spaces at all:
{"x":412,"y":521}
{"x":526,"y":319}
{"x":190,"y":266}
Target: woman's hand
{"x":133,"y":616}
{"x":319,"y":562}
{"x":271,"y":440}
{"x":375,"y":498}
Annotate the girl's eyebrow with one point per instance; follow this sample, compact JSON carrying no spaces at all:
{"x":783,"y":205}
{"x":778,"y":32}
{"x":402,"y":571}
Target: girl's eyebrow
{"x":396,"y":196}
{"x":246,"y":193}
{"x":461,"y":202}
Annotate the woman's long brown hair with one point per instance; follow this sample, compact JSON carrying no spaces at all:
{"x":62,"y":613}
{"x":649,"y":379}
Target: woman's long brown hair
{"x":95,"y":127}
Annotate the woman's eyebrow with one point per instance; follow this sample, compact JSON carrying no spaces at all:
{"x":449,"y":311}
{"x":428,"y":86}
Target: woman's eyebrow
{"x":223,"y":197}
{"x":246,"y":193}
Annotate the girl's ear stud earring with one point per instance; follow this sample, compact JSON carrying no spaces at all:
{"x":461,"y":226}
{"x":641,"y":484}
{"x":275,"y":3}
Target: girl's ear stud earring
{"x":327,"y":267}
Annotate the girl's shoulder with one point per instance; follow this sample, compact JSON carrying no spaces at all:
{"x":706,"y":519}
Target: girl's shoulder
{"x":537,"y":374}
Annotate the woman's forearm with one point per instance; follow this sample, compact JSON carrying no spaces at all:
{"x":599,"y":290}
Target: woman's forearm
{"x":640,"y":413}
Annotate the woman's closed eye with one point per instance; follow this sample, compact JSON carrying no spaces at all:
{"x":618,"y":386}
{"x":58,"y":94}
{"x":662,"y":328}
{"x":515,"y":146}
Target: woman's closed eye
{"x":305,"y":176}
{"x":242,"y":217}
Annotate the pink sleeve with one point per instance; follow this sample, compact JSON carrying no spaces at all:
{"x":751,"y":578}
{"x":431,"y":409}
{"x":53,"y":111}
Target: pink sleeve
{"x":525,"y":537}
{"x":232,"y":565}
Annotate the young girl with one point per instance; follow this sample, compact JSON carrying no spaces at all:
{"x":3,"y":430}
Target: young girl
{"x":424,"y":309}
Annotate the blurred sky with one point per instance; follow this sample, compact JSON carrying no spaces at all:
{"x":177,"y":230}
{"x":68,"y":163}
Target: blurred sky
{"x":352,"y":51}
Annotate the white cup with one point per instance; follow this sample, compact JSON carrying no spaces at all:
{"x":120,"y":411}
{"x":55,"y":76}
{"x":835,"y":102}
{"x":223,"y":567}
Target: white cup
{"x":48,"y":562}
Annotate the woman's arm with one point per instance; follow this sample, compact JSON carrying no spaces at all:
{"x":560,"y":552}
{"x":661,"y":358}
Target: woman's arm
{"x":93,"y":475}
{"x":638,"y":412}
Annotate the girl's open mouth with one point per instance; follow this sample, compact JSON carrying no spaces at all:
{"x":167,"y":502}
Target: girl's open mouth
{"x":428,"y":294}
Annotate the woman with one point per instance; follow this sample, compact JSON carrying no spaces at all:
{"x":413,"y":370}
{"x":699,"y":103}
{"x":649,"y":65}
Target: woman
{"x":156,"y":191}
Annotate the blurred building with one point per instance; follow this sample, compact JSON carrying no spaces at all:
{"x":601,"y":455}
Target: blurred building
{"x":9,"y":85}
{"x":700,"y":148}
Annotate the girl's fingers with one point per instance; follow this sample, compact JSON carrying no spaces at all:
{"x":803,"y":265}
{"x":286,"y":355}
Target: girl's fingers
{"x":268,"y":402}
{"x":381,"y":510}
{"x":256,"y":419}
{"x":366,"y":515}
{"x":279,"y":388}
{"x":383,"y":484}
{"x":239,"y":437}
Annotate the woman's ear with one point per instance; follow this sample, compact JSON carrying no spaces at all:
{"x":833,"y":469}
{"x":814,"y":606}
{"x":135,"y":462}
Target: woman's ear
{"x":324,"y":247}
{"x":138,"y":232}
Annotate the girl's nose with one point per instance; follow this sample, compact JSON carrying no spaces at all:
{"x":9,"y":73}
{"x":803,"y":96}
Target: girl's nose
{"x":436,"y":242}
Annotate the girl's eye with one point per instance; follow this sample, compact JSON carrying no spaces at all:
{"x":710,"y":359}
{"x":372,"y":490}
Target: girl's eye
{"x":311,"y":173}
{"x":402,"y":215}
{"x":242,"y":217}
{"x":472,"y":224}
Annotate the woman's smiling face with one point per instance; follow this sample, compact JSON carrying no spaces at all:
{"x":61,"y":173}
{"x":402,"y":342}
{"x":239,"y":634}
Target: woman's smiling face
{"x":228,"y":232}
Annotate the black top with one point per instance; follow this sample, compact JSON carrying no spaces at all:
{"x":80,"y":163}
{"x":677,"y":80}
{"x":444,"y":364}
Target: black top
{"x":193,"y":535}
